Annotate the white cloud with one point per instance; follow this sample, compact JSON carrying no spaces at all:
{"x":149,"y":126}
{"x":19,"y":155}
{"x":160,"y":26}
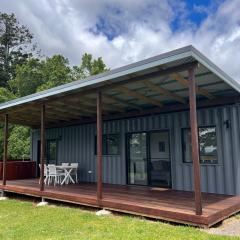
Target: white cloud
{"x":139,"y":28}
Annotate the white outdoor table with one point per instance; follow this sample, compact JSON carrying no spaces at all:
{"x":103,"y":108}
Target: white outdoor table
{"x":67,"y":170}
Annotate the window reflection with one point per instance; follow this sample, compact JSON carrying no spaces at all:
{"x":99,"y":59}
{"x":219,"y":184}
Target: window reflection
{"x":207,"y":145}
{"x":52,"y":151}
{"x":138,"y":158}
{"x":111,"y":144}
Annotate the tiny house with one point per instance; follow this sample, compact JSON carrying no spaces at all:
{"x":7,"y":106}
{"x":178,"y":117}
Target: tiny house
{"x":157,"y":138}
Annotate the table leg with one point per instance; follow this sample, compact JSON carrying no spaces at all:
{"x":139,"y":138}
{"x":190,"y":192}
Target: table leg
{"x":65,"y":178}
{"x":69,"y":176}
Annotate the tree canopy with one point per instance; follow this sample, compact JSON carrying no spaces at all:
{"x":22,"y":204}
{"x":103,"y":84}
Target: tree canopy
{"x":37,"y":75}
{"x":88,"y":67}
{"x":22,"y":72}
{"x":15,"y":46}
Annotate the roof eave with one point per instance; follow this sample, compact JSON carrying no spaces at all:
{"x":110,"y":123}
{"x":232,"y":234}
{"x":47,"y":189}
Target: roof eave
{"x":188,"y":51}
{"x":97,"y":79}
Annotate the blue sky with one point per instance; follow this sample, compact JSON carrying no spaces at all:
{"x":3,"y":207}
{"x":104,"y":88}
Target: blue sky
{"x":125,"y":31}
{"x":191,"y":13}
{"x":197,"y":11}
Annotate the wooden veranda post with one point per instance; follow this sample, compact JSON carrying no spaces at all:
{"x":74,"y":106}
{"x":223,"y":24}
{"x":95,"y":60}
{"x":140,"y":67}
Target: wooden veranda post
{"x":5,"y":149}
{"x":194,"y":141}
{"x":42,"y":154}
{"x":99,"y":147}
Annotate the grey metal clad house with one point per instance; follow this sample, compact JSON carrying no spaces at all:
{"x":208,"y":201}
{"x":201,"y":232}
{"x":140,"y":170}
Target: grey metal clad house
{"x":168,"y":122}
{"x":77,"y":144}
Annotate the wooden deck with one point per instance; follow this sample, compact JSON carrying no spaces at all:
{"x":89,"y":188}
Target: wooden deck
{"x":166,"y":204}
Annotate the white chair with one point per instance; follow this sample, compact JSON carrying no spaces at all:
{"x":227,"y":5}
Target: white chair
{"x":75,"y":170}
{"x":45,"y":173}
{"x":54,"y":175}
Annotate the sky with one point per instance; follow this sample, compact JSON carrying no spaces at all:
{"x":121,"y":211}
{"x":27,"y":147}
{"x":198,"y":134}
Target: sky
{"x":125,"y":31}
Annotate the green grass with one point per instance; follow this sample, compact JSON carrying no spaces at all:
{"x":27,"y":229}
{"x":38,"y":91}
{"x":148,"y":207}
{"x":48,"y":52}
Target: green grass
{"x":23,"y":220}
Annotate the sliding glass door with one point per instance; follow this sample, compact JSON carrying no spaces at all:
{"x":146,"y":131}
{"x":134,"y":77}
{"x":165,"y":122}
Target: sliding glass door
{"x":149,"y":161}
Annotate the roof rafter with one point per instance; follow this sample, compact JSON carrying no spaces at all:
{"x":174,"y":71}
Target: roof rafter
{"x":117,"y":101}
{"x":90,"y":102}
{"x":163,"y":91}
{"x":109,"y":85}
{"x":51,"y":114}
{"x":184,"y":82}
{"x":79,"y":110}
{"x":139,"y":96}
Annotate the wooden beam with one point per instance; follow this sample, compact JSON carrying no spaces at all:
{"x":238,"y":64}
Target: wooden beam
{"x":117,"y":101}
{"x":76,"y":107}
{"x":139,"y":96}
{"x":202,"y":103}
{"x":194,"y":141}
{"x":89,"y":102}
{"x":157,"y":74}
{"x":99,"y":147}
{"x":32,"y":117}
{"x":35,"y":115}
{"x":18,"y":108}
{"x":22,"y":119}
{"x":110,"y":84}
{"x":88,"y":105}
{"x":105,"y":87}
{"x":54,"y":113}
{"x":62,"y":110}
{"x":5,"y":149}
{"x":163,"y":91}
{"x":184,"y":82}
{"x":43,"y":144}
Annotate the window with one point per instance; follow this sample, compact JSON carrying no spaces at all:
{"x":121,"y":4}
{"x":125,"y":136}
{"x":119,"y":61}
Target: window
{"x":207,"y":145}
{"x":51,"y":151}
{"x":161,"y":146}
{"x":110,"y":144}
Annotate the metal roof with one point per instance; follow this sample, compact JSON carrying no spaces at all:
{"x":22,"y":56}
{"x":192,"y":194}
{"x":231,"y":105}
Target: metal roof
{"x":208,"y":76}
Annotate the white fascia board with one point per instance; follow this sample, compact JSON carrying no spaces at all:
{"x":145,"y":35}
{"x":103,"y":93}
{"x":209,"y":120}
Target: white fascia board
{"x":215,"y":69}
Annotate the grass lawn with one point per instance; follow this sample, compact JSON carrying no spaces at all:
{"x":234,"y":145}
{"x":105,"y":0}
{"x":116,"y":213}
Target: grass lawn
{"x":23,"y":220}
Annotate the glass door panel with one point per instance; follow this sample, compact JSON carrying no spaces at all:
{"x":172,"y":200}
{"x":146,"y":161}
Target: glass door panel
{"x":137,"y":147}
{"x":51,"y":152}
{"x":160,"y":161}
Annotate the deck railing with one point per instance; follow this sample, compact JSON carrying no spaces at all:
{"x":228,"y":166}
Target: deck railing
{"x":19,"y":169}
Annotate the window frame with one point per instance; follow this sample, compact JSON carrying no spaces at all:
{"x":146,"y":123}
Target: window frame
{"x":201,"y":162}
{"x":105,"y":136}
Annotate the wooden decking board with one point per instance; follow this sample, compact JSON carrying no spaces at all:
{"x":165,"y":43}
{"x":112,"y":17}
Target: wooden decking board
{"x":166,"y":204}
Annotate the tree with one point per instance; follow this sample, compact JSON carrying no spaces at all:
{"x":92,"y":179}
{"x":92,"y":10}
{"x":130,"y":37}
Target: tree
{"x":28,"y":78}
{"x":36,"y":75}
{"x":15,"y":46}
{"x":55,"y":71}
{"x":88,"y":67}
{"x":19,"y":142}
{"x":19,"y":136}
{"x":5,"y":95}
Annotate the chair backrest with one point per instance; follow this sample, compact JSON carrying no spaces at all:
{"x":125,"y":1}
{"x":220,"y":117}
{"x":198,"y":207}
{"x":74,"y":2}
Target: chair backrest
{"x":75,"y":165}
{"x":45,"y":169}
{"x":52,"y":169}
{"x":65,"y":164}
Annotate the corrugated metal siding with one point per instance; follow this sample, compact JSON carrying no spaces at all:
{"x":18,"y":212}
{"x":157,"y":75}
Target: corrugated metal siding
{"x":76,"y":144}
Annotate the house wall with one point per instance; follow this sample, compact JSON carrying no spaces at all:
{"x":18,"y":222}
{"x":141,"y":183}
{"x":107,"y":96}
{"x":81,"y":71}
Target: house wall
{"x":76,"y":144}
